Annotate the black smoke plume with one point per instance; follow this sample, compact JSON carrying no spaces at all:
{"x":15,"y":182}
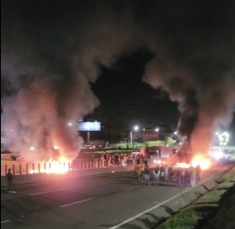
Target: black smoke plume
{"x":50,"y":51}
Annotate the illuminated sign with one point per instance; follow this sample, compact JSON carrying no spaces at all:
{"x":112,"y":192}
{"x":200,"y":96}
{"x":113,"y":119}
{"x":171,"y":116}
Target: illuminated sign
{"x":89,"y":126}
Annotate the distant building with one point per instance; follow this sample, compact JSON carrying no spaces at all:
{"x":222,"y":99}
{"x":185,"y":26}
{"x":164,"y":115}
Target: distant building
{"x":146,"y":135}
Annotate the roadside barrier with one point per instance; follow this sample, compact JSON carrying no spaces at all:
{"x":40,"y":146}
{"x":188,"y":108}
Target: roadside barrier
{"x":22,"y":168}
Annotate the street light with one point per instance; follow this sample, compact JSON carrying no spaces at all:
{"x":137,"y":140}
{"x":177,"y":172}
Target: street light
{"x":131,"y":135}
{"x":157,"y":129}
{"x":136,"y":128}
{"x":175,"y":133}
{"x":143,"y":134}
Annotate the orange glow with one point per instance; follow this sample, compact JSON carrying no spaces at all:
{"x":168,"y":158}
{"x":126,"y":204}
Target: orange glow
{"x":202,"y":161}
{"x":60,"y":166}
{"x":183,"y":165}
{"x":197,"y":160}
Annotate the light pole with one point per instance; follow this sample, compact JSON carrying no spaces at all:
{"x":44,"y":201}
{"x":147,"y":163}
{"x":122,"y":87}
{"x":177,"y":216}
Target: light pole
{"x":144,"y":135}
{"x":131,"y":135}
{"x":156,"y":130}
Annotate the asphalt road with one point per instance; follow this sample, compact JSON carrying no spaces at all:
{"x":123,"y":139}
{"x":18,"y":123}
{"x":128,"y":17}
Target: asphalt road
{"x":92,"y":202}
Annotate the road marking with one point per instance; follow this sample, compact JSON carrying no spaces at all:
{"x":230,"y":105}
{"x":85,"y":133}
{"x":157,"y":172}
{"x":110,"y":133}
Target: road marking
{"x":40,"y":193}
{"x":158,"y":205}
{"x":78,"y":202}
{"x":5,"y":221}
{"x":131,"y":188}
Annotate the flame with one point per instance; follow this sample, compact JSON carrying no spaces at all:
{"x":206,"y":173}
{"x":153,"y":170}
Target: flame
{"x":197,"y":160}
{"x":202,"y":161}
{"x":59,"y":166}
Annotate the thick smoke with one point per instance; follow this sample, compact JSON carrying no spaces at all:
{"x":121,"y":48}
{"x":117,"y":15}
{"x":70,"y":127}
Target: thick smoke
{"x":196,"y":66}
{"x":50,"y":52}
{"x":49,"y":55}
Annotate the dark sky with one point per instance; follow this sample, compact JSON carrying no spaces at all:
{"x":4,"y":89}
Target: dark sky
{"x":121,"y":88}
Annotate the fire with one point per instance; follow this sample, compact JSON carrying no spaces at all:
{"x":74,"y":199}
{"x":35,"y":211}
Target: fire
{"x":202,"y":161}
{"x":60,"y":166}
{"x":197,"y":160}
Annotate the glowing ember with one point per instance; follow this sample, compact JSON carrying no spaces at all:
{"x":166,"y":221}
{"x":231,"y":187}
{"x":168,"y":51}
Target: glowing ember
{"x":59,"y":167}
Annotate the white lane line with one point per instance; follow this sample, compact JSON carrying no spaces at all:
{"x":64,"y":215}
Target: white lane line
{"x":78,"y":202}
{"x":158,"y":205}
{"x":131,"y":188}
{"x":5,"y":221}
{"x":40,"y":193}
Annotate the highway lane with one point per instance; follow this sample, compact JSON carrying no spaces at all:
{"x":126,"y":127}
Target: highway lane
{"x":100,"y":201}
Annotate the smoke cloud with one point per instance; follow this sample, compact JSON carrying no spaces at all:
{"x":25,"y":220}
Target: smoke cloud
{"x":196,"y":66}
{"x":49,"y":56}
{"x":50,"y":53}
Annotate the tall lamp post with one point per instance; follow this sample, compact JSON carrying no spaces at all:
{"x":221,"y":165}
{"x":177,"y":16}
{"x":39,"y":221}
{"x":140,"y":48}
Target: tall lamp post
{"x":136,"y":128}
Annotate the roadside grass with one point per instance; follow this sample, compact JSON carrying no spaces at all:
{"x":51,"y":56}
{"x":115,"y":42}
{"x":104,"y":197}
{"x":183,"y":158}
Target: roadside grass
{"x":230,"y":177}
{"x":185,"y":219}
{"x":212,"y":197}
{"x":225,"y":185}
{"x":214,"y":210}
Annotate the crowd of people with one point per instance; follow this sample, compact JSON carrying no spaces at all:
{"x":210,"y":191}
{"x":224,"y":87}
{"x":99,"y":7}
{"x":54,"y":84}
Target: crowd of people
{"x":184,"y":177}
{"x":109,"y":160}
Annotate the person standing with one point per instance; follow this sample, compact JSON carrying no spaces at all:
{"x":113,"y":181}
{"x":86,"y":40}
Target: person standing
{"x":136,"y":171}
{"x":141,"y":173}
{"x":171,"y":172}
{"x":193,"y":177}
{"x":198,"y":172}
{"x":156,"y":175}
{"x":162,"y":172}
{"x":178,"y":179}
{"x":146,"y":161}
{"x":10,"y":180}
{"x":166,"y":172}
{"x":187,"y":176}
{"x":147,"y":174}
{"x":182,"y":177}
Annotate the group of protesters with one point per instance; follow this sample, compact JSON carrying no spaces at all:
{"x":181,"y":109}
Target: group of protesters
{"x":184,"y":176}
{"x":188,"y":176}
{"x":110,"y":160}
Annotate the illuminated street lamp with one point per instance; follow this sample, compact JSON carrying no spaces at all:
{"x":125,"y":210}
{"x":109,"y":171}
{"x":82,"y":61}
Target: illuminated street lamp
{"x":157,"y":129}
{"x":136,"y":128}
{"x":175,"y":133}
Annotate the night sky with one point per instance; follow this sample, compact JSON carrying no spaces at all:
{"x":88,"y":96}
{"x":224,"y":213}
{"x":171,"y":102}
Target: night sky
{"x":121,"y":88}
{"x":148,"y":62}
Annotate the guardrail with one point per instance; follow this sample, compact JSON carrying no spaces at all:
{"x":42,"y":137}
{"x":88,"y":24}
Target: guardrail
{"x":21,"y":168}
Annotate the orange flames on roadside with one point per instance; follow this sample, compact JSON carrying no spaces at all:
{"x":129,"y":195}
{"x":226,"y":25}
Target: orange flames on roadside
{"x":197,"y":160}
{"x":205,"y":163}
{"x":60,"y":166}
